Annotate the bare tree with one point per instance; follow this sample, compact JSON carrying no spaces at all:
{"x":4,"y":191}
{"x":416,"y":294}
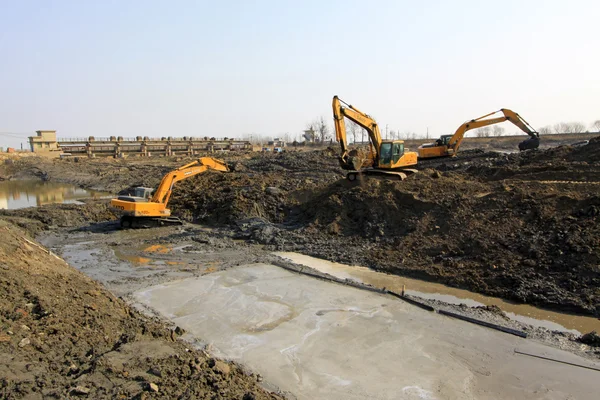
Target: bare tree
{"x":545,"y":130}
{"x":497,"y":130}
{"x":569,"y":127}
{"x":576,"y":127}
{"x":320,"y":127}
{"x":596,"y":125}
{"x":352,"y":129}
{"x":483,"y":132}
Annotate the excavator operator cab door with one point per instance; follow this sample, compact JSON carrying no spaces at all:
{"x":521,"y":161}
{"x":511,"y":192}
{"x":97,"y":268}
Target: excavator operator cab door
{"x":385,"y":157}
{"x":397,"y":151}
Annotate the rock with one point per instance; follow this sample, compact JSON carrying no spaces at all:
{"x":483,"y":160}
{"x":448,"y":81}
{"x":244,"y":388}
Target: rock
{"x":155,"y":371}
{"x":80,"y":390}
{"x":153,"y":387}
{"x":591,"y":339}
{"x":273,"y":191}
{"x":222,"y":368}
{"x":24,"y":342}
{"x":25,"y":328}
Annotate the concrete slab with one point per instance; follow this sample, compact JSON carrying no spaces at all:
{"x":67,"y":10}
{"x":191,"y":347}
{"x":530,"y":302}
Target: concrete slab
{"x":320,"y":340}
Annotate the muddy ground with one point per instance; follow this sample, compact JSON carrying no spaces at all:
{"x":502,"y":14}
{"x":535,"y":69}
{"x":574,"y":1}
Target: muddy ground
{"x":518,"y":226}
{"x":63,"y":335}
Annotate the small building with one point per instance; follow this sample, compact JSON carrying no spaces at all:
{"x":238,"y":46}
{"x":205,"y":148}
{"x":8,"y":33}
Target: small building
{"x":45,"y":141}
{"x":309,"y":136}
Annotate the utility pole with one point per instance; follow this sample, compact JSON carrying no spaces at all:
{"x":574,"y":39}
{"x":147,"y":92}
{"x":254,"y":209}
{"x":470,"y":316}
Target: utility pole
{"x":386,"y":131}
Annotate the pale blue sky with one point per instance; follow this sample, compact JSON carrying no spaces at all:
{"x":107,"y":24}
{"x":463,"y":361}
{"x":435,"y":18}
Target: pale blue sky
{"x":230,"y":68}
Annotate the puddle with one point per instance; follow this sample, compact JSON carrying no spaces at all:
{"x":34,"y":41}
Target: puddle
{"x":157,"y":248}
{"x":435,"y":291}
{"x":22,"y":194}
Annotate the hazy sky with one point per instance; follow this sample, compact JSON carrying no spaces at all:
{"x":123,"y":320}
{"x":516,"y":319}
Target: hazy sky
{"x":230,"y":68}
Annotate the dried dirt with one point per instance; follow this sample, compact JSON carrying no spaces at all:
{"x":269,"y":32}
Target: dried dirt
{"x":62,"y":335}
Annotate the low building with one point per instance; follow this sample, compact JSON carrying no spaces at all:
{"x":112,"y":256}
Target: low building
{"x":44,"y":142}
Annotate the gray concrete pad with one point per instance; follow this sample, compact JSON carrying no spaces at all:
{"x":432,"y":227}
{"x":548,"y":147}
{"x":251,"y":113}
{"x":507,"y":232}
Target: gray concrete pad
{"x":321,"y":340}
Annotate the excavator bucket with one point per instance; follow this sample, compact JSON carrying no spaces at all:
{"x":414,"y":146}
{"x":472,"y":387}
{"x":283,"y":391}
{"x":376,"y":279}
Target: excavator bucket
{"x":351,"y":163}
{"x":531,"y":143}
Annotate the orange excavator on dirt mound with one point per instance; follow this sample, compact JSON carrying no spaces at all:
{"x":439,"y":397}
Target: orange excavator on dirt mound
{"x":447,"y":145}
{"x":145,"y":208}
{"x":387,"y":157}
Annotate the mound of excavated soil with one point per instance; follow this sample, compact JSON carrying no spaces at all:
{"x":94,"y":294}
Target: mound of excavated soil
{"x":526,"y":241}
{"x":62,"y":335}
{"x":264,"y":186}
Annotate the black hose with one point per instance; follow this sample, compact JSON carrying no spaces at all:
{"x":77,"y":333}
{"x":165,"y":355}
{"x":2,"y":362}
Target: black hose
{"x":558,"y":361}
{"x":484,"y":323}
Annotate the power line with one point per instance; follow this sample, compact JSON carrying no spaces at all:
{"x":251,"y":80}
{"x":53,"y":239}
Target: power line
{"x":15,"y":134}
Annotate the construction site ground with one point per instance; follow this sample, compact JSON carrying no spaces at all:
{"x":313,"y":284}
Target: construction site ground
{"x":517,"y":226}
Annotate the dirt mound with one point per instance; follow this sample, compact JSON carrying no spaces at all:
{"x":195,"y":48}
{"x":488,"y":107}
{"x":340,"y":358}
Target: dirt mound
{"x":63,"y":335}
{"x":525,"y":241}
{"x":589,"y":153}
{"x":36,"y":219}
{"x":264,"y":186}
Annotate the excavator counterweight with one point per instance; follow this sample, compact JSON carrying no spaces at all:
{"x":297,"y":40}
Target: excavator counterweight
{"x":148,"y":206}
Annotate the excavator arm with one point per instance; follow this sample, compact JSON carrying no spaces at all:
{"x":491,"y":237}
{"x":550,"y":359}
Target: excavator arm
{"x":363,"y":120}
{"x":203,"y":164}
{"x":509,"y":115}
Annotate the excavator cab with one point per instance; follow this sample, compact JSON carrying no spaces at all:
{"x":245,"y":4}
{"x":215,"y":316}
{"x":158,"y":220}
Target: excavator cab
{"x":143,"y":192}
{"x":443,"y":140}
{"x":391,"y":153}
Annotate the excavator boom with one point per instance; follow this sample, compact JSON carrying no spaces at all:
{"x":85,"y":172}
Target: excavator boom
{"x":360,"y":118}
{"x":165,"y":188}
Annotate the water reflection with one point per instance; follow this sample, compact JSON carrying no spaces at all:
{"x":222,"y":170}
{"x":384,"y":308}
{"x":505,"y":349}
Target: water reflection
{"x":22,"y":194}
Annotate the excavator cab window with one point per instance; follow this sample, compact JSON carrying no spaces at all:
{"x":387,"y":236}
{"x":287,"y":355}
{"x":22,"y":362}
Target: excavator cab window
{"x":398,"y":150}
{"x":386,"y":153}
{"x":446,"y":139}
{"x":143,"y":192}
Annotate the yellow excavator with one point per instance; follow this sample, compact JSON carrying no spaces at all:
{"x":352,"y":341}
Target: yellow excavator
{"x":386,"y":157}
{"x":148,"y":207}
{"x":448,"y":145}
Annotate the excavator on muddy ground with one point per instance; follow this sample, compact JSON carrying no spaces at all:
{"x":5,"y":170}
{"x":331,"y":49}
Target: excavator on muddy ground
{"x":386,"y":157}
{"x":448,"y":145}
{"x":148,"y":207}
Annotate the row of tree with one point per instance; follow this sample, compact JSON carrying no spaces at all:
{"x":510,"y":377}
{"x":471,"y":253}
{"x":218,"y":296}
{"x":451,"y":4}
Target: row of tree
{"x":324,"y":133}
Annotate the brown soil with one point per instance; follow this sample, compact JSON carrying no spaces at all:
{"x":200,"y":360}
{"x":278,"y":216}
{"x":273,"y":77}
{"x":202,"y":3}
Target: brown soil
{"x":521,"y":226}
{"x":62,"y":335}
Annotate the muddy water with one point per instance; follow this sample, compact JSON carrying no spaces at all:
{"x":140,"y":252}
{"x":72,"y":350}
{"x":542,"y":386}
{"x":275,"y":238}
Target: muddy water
{"x":435,"y":291}
{"x":22,"y":194}
{"x":317,"y":340}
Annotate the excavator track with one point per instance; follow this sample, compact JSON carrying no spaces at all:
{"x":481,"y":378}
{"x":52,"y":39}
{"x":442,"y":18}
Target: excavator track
{"x":129,"y":222}
{"x":400,"y":174}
